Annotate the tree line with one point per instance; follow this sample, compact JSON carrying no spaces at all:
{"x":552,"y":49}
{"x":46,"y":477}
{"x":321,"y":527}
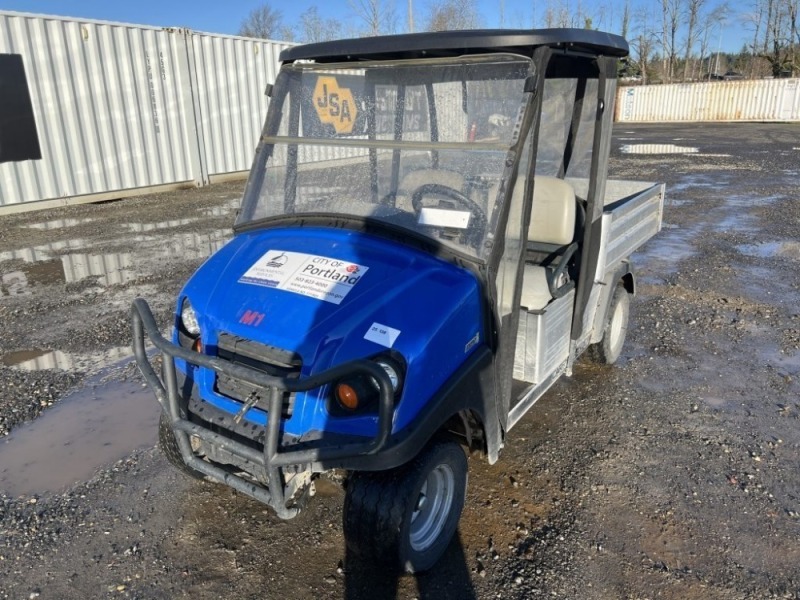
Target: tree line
{"x":671,"y":40}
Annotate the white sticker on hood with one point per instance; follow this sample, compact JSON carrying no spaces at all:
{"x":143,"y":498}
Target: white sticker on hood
{"x":382,"y":334}
{"x":319,"y":277}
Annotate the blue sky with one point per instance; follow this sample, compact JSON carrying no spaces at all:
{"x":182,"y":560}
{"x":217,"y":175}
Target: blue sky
{"x":225,"y":16}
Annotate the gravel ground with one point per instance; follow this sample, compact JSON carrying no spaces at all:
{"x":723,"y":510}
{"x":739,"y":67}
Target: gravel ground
{"x":673,"y":474}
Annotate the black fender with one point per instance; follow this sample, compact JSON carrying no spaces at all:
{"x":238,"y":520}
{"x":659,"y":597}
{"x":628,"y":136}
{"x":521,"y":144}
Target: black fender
{"x":470,"y":389}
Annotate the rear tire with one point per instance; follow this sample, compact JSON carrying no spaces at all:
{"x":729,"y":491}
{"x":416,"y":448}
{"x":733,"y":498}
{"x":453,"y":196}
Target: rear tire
{"x":407,"y":516}
{"x":169,"y":447}
{"x":609,"y":348}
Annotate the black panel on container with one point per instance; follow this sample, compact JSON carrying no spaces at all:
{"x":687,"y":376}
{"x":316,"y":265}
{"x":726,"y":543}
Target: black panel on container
{"x":19,"y":139}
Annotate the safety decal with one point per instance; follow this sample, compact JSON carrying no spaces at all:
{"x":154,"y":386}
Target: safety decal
{"x":335,"y":105}
{"x":382,"y":334}
{"x":319,"y":277}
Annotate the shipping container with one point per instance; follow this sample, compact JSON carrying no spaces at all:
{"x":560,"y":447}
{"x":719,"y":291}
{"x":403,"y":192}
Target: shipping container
{"x":756,"y":100}
{"x":96,"y":110}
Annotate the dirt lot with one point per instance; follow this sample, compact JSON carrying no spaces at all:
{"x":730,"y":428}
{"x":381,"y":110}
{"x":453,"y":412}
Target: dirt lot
{"x":674,"y":474}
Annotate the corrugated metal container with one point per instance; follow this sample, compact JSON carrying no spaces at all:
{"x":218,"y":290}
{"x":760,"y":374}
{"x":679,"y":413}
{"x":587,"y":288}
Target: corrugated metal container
{"x":232,"y":77}
{"x":122,"y":109}
{"x":108,"y":101}
{"x":760,"y":100}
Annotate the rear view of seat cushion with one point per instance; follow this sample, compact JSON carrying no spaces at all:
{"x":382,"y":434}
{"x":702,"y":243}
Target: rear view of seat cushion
{"x":553,"y":211}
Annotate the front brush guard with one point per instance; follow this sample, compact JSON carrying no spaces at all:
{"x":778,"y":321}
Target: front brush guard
{"x":271,"y":462}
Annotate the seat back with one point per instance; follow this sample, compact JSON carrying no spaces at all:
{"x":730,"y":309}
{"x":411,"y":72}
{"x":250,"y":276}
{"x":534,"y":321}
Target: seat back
{"x":550,"y":233}
{"x":552,"y":211}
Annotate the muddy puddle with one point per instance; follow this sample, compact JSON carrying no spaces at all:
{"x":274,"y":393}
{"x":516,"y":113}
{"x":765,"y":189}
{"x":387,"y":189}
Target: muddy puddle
{"x":692,"y":182}
{"x":59,"y":224}
{"x":41,"y":360}
{"x":658,"y":149}
{"x":782,"y":249}
{"x":663,"y":253}
{"x":86,"y":431}
{"x":141,"y":227}
{"x":72,"y":261}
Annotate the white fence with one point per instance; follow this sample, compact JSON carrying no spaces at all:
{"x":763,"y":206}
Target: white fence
{"x":121,"y":109}
{"x":759,"y":100}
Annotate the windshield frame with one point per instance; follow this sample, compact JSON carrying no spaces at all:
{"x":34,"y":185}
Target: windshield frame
{"x":435,"y":67}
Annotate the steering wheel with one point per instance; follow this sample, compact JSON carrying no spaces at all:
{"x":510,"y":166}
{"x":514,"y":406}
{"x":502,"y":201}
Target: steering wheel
{"x":476,"y":229}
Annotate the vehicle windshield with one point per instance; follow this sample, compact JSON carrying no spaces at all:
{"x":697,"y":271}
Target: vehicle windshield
{"x":416,"y":144}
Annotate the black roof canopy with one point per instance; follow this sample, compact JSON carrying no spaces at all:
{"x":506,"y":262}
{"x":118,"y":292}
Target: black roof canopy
{"x":456,"y":43}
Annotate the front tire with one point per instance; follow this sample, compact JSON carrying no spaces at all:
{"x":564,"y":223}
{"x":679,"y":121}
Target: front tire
{"x":608,"y":349}
{"x":407,"y":516}
{"x":169,"y":447}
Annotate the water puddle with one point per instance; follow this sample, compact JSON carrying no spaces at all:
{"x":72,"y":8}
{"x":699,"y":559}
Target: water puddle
{"x":224,"y":210}
{"x":44,"y":252}
{"x":738,"y":222}
{"x":84,"y":432}
{"x":783,"y":249}
{"x":41,"y":360}
{"x":750,"y":201}
{"x":696,"y":181}
{"x":657,"y":149}
{"x":786,"y":364}
{"x":59,"y":224}
{"x":37,"y":360}
{"x":50,"y":264}
{"x":109,"y":269}
{"x":143,"y":227}
{"x":19,"y":281}
{"x":663,"y":253}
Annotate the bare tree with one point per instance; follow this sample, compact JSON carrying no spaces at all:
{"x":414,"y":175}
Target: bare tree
{"x":693,"y":8}
{"x":314,"y":28}
{"x":626,"y":18}
{"x":775,"y":47}
{"x":794,"y":34}
{"x":755,"y":18}
{"x":379,"y":16}
{"x":549,"y":17}
{"x":643,"y":43}
{"x":452,"y":15}
{"x":770,"y":7}
{"x":779,"y":52}
{"x":671,"y":16}
{"x":716,"y":17}
{"x":263,"y":22}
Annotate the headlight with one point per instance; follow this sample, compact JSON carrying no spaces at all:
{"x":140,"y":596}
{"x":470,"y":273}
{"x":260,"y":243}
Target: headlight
{"x":189,"y":318}
{"x":392,"y":372}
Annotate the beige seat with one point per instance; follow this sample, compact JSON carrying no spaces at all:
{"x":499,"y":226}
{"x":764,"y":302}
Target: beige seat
{"x":552,"y":228}
{"x":552,"y":211}
{"x":535,"y":288}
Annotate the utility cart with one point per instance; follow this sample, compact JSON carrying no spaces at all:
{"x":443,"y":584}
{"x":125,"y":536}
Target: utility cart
{"x":426,"y":243}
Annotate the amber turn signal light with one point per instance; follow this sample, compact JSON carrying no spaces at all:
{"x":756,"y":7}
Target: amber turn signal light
{"x":347,"y":396}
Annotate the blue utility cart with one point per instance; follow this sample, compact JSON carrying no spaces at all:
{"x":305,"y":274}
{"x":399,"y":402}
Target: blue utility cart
{"x":426,"y":243}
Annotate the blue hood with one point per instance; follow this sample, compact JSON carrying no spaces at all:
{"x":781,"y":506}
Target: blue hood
{"x":333,"y":295}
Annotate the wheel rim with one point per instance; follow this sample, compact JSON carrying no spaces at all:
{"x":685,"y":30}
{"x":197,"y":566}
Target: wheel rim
{"x":617,"y":327}
{"x":434,"y":501}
